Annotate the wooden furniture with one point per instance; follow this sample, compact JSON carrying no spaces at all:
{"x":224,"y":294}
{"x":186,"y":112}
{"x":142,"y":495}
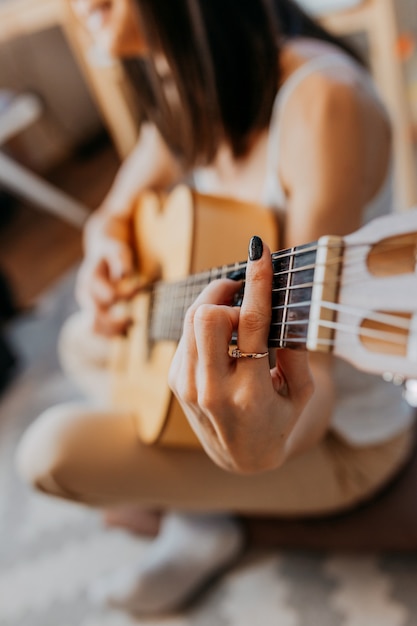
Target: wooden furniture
{"x":23,"y":17}
{"x":378,"y":20}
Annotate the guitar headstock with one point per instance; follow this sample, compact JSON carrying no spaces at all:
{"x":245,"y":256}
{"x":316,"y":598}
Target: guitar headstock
{"x":376,"y":322}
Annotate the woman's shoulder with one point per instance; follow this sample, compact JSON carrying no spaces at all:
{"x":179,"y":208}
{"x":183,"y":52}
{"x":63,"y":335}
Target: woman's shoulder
{"x":320,"y":80}
{"x":331,"y":121}
{"x":298,"y":51}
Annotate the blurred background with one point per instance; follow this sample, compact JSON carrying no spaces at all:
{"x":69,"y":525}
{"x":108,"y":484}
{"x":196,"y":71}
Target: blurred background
{"x":66,"y":122}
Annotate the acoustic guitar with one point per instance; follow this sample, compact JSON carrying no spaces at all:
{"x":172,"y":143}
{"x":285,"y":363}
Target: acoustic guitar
{"x":353,"y":296}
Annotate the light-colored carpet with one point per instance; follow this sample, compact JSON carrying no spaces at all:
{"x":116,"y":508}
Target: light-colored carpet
{"x":51,"y":550}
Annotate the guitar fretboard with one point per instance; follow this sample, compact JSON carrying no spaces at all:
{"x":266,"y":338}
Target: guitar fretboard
{"x":293,"y":276}
{"x":291,"y":296}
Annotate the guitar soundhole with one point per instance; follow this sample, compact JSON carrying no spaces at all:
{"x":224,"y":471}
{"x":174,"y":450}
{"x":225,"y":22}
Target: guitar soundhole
{"x":393,"y":256}
{"x":387,"y":338}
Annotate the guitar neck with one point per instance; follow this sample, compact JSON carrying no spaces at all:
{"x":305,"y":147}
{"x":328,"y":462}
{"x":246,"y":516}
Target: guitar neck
{"x":305,"y":278}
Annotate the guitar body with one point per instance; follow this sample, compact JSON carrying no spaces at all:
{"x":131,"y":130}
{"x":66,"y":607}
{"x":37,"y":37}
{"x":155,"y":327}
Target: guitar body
{"x":176,"y":235}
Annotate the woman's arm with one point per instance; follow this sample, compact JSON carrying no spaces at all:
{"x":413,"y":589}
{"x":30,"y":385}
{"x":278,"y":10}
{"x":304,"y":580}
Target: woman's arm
{"x":107,"y":235}
{"x":337,"y":145}
{"x":249,"y":417}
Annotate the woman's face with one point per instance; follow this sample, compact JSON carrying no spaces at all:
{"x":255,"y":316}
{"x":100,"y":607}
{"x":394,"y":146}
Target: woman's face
{"x":113,"y":24}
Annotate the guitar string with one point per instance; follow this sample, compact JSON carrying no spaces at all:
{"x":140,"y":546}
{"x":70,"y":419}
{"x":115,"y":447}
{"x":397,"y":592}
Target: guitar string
{"x":194,"y":287}
{"x":385,"y":337}
{"x":181,"y":304}
{"x":388,"y":318}
{"x":193,"y":284}
{"x":395,"y":322}
{"x":288,"y":253}
{"x":382,"y":335}
{"x":314,"y":246}
{"x":222,"y":272}
{"x":331,"y":343}
{"x":185,"y":297}
{"x":198,"y":279}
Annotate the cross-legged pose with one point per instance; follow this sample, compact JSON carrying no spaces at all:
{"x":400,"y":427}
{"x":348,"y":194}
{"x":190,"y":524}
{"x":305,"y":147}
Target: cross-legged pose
{"x":250,"y":100}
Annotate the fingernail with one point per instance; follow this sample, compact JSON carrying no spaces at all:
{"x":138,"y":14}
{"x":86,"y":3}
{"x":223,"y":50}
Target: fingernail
{"x":256,"y":248}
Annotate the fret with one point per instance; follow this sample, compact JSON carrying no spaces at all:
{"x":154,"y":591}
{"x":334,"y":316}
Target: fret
{"x":215,"y":273}
{"x":154,"y":322}
{"x":291,"y":294}
{"x":302,"y":286}
{"x":171,"y":301}
{"x":185,"y":304}
{"x":281,"y":266}
{"x":237,"y":272}
{"x":282,"y":332}
{"x":294,"y":285}
{"x":173,"y":306}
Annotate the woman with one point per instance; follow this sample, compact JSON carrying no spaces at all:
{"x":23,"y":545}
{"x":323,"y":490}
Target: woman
{"x":254,"y":101}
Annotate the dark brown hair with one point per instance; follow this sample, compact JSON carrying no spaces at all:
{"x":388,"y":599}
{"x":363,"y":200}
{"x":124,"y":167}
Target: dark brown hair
{"x":214,"y":69}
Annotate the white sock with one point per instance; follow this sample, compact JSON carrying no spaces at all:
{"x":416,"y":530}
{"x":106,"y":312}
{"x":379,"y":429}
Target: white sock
{"x":189,"y":550}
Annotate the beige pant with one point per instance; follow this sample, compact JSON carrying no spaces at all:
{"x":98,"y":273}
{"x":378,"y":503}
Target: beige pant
{"x":92,"y":455}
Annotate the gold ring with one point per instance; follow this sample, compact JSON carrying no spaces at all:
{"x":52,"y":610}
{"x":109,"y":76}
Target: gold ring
{"x":236,"y":353}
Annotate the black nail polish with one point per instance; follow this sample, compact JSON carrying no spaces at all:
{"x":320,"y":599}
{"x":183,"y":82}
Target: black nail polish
{"x":256,"y":248}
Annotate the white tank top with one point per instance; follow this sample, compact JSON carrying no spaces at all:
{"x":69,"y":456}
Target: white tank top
{"x":368,"y":409}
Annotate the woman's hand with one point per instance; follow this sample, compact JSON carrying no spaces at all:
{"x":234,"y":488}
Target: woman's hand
{"x":242,"y":411}
{"x":108,"y":259}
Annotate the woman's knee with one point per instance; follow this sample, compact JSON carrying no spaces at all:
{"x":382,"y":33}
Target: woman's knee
{"x":47,"y":454}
